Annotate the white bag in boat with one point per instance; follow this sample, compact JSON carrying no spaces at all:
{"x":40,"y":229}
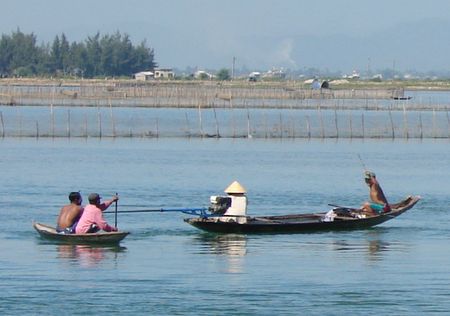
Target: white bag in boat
{"x":329,"y":216}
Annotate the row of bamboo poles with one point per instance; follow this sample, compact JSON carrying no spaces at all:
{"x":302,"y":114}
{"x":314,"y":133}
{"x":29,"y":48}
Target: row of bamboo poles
{"x":181,"y":95}
{"x":243,"y":124}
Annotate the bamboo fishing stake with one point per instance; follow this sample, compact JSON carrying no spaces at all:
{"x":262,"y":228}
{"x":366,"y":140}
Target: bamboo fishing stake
{"x":281,"y":126}
{"x":113,"y":125}
{"x":308,"y":127}
{"x":420,"y":126}
{"x":322,"y":127}
{"x":52,"y":119}
{"x":188,"y":130}
{"x":362,"y":125}
{"x":200,"y":119}
{"x":2,"y":124}
{"x":293,"y":127}
{"x":99,"y":122}
{"x":19,"y":120}
{"x":68,"y":123}
{"x":265,"y":124}
{"x":351,"y":125}
{"x":249,"y":134}
{"x":217,"y":122}
{"x":85,"y":125}
{"x":434,"y":124}
{"x":405,"y":124}
{"x":392,"y":124}
{"x":336,"y":122}
{"x":448,"y":122}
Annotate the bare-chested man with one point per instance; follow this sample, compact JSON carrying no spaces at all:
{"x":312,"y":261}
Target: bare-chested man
{"x":70,"y":214}
{"x":378,"y":202}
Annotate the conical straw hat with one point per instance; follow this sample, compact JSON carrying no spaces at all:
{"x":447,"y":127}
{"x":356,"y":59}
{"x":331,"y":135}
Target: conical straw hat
{"x":236,"y":188}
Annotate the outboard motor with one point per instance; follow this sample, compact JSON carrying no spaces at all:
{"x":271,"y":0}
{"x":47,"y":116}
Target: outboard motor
{"x":219,"y":204}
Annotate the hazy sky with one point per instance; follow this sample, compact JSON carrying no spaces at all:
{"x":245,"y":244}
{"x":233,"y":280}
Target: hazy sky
{"x":261,"y":34}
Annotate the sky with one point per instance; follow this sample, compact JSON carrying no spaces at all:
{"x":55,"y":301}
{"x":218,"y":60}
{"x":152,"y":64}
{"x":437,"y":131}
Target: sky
{"x":339,"y":35}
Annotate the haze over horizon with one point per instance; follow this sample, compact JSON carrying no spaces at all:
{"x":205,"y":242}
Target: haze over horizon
{"x":262,"y":34}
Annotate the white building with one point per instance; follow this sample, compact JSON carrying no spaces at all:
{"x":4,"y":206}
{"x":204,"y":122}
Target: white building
{"x":144,"y":75}
{"x":165,"y":73}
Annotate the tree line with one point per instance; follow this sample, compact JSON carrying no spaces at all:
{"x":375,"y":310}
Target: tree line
{"x":97,"y":56}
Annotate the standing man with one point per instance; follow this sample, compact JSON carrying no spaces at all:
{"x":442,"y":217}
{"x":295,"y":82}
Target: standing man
{"x":70,"y":214}
{"x":92,"y":219}
{"x":378,"y":203}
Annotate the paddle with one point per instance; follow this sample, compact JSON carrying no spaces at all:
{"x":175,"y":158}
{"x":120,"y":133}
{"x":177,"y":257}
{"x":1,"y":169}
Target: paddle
{"x":159,"y":210}
{"x":115,"y":215}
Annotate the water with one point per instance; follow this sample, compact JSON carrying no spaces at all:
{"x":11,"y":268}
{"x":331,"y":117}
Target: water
{"x":166,"y":267}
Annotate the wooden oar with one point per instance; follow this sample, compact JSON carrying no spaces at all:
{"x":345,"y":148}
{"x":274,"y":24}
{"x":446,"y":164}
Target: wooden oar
{"x":115,"y":215}
{"x":159,"y":210}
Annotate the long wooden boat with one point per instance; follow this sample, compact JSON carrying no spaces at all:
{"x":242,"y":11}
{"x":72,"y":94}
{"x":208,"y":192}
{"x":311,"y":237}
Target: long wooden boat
{"x":345,"y":219}
{"x":49,"y":232}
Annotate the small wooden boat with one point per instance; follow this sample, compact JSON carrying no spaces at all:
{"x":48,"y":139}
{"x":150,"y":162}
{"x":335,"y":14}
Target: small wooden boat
{"x":344,"y":219}
{"x":402,"y":98}
{"x":50,"y":233}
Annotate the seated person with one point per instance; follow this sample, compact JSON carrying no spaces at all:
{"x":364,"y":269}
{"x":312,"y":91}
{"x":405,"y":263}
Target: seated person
{"x":70,"y":214}
{"x":378,"y":202}
{"x":92,"y":219}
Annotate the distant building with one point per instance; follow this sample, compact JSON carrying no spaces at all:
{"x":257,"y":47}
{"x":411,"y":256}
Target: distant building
{"x":201,"y":74}
{"x":254,"y":76}
{"x":354,"y":75}
{"x":144,"y":75}
{"x":166,"y":73}
{"x":275,"y":73}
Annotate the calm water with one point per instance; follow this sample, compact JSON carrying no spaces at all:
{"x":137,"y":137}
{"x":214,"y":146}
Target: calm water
{"x":166,"y":267}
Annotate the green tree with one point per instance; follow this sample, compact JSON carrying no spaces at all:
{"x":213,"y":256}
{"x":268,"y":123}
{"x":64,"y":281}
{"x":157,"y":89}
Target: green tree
{"x":55,"y":55}
{"x":65,"y":53}
{"x":223,"y":74}
{"x":93,"y":54}
{"x":24,"y":53}
{"x":107,"y":55}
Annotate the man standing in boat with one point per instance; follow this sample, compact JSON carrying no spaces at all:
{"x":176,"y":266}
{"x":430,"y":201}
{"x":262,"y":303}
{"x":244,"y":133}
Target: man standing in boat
{"x":378,"y":203}
{"x":92,"y":219}
{"x":70,"y":214}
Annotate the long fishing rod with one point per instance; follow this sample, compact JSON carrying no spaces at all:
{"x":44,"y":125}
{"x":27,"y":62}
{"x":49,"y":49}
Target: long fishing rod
{"x":362,"y":163}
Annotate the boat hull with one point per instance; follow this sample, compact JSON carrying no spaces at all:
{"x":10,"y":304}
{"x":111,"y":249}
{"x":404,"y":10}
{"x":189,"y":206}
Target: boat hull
{"x":298,"y":223}
{"x":49,"y":233}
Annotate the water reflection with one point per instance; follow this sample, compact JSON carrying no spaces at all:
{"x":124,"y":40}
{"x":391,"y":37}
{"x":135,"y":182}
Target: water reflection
{"x":88,"y":255}
{"x":234,"y":247}
{"x":373,"y":245}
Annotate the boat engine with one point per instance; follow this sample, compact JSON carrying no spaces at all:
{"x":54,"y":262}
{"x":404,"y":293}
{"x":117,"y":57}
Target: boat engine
{"x":219,"y":204}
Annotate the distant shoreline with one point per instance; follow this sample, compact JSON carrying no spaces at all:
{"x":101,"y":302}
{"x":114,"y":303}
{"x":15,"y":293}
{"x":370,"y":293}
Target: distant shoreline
{"x":337,"y":84}
{"x":203,"y":94}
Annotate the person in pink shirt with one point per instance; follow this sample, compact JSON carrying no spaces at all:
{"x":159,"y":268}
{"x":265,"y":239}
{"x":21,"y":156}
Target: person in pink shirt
{"x":92,"y":220}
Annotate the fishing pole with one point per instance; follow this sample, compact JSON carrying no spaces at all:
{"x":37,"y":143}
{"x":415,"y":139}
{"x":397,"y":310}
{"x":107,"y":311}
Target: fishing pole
{"x":362,"y":163}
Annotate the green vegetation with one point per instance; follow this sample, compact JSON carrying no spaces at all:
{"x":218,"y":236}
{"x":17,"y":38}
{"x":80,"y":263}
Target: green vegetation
{"x":98,"y":55}
{"x":223,"y":74}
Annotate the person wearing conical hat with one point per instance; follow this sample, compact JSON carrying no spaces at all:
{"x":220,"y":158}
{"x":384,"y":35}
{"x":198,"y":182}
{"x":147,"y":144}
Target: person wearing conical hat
{"x":238,"y":200}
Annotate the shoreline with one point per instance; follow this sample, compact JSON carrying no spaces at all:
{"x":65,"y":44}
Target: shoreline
{"x":178,"y":94}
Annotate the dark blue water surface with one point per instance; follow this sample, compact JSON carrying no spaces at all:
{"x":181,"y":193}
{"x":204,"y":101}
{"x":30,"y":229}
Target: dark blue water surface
{"x":166,"y":267}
